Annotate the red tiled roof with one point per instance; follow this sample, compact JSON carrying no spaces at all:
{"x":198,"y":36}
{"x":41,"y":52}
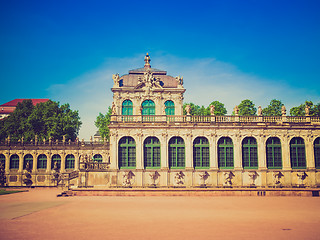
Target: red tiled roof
{"x":14,"y":102}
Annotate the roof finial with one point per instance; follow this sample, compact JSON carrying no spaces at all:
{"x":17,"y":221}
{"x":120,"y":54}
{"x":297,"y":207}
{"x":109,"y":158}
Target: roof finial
{"x":147,"y":61}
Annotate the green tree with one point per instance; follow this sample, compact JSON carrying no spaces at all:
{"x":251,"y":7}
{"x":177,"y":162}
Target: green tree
{"x":45,"y":120}
{"x":219,"y":108}
{"x":274,"y":108}
{"x":300,"y":110}
{"x":247,"y":108}
{"x":102,"y":123}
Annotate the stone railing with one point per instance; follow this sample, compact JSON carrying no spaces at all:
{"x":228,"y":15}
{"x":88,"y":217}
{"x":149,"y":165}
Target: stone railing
{"x":14,"y":142}
{"x":208,"y":119}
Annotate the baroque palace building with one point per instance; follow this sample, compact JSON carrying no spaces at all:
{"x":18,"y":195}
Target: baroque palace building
{"x":153,"y":144}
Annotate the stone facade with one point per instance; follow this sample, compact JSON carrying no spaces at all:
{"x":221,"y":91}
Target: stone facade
{"x":153,"y":144}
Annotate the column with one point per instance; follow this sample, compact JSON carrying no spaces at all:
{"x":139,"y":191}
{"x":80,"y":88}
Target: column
{"x":309,"y":153}
{"x":139,"y":151}
{"x":237,"y":153}
{"x":188,"y":152}
{"x":213,"y":152}
{"x":35,"y":162}
{"x":164,"y":151}
{"x":285,"y":153}
{"x":262,"y":162}
{"x":49,"y":156}
{"x":113,"y":151}
{"x":20,"y":154}
{"x":63,"y":162}
{"x":76,"y":161}
{"x":7,"y":164}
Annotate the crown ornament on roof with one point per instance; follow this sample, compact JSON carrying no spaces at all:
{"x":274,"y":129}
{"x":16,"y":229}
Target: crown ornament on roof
{"x":147,"y":61}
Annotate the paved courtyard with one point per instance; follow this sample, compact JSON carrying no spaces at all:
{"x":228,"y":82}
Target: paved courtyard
{"x":39,"y":214}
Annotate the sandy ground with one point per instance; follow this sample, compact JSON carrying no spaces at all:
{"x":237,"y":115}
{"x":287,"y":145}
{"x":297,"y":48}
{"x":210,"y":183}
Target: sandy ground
{"x":39,"y":214}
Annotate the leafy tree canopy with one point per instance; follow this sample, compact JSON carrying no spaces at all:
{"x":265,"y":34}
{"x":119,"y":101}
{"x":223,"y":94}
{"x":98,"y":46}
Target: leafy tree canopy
{"x":102,"y":123}
{"x":247,"y":108}
{"x":274,"y":108}
{"x":45,"y":120}
{"x":219,"y":108}
{"x":300,"y":110}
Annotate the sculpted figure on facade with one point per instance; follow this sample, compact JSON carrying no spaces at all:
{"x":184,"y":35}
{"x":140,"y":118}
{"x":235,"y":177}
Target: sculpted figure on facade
{"x":154,"y":178}
{"x":116,"y":80}
{"x":283,"y":110}
{"x":301,"y":177}
{"x":253,"y":176}
{"x":203,"y":177}
{"x":259,"y":111}
{"x":236,"y":110}
{"x":113,"y":109}
{"x":276,"y":178}
{"x":179,"y":81}
{"x":212,"y":107}
{"x":179,"y":178}
{"x":306,"y":109}
{"x":188,"y":109}
{"x":128,"y":179}
{"x":228,"y":176}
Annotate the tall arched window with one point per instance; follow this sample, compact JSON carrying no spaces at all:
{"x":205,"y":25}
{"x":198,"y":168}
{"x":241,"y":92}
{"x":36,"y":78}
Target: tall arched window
{"x":127,"y":153}
{"x":317,"y":152}
{"x":273,"y":152}
{"x":249,"y":153}
{"x":176,"y":153}
{"x":148,"y":107}
{"x":127,"y":107}
{"x":56,"y":160}
{"x":225,"y":152}
{"x":201,"y":156}
{"x":151,"y":151}
{"x":97,"y":158}
{"x":28,"y":159}
{"x":297,"y":153}
{"x":70,"y":161}
{"x":3,"y":160}
{"x":14,"y":161}
{"x":169,"y":107}
{"x":42,"y":161}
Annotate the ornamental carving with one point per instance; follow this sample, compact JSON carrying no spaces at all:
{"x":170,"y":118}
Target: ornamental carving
{"x":148,"y":82}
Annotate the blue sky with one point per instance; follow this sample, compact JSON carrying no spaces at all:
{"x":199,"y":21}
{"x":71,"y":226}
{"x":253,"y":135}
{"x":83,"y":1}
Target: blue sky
{"x":225,"y":50}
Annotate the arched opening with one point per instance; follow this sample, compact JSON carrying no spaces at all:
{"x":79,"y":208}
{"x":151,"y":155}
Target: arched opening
{"x":225,"y":153}
{"x":273,"y":153}
{"x":297,"y":153}
{"x":151,"y":150}
{"x":176,"y":153}
{"x":249,"y":153}
{"x":201,"y":156}
{"x":127,"y":153}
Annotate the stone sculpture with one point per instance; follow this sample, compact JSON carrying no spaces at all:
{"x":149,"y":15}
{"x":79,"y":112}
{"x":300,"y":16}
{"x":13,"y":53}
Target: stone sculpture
{"x":253,"y":176}
{"x":228,"y":176}
{"x":128,"y":179}
{"x":179,"y":178}
{"x":212,"y":107}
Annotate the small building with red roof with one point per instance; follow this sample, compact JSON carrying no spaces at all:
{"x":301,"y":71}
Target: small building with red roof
{"x":7,"y":108}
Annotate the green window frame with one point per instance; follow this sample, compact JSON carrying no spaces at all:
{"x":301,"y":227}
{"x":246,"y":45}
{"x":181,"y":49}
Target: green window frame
{"x":249,"y":153}
{"x":273,"y":153}
{"x":127,"y":153}
{"x":127,"y":107}
{"x":56,"y":158}
{"x":176,"y":153}
{"x":42,"y":161}
{"x":3,"y":160}
{"x":97,"y":158}
{"x":169,"y":107}
{"x":148,"y":107}
{"x":28,"y":158}
{"x":225,"y":153}
{"x":14,"y":161}
{"x":152,"y":154}
{"x":70,"y":161}
{"x":297,"y":153}
{"x":201,"y":153}
{"x":317,"y":152}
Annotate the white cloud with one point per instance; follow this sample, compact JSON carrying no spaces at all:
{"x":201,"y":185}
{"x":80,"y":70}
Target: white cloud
{"x":205,"y":79}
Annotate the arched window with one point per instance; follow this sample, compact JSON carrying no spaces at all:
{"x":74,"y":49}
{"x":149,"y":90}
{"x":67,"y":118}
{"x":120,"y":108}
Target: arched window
{"x":297,"y":153}
{"x":3,"y":160}
{"x":127,"y":153}
{"x":152,"y":153}
{"x":273,"y":152}
{"x":201,"y":157}
{"x":14,"y":161}
{"x":56,"y":160}
{"x":317,"y":152}
{"x":28,"y":159}
{"x":225,"y":152}
{"x":70,"y":161}
{"x":97,"y":158}
{"x":176,"y":153}
{"x":127,"y":107}
{"x":249,"y":153}
{"x":42,"y":161}
{"x":148,"y":107}
{"x":169,"y":107}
